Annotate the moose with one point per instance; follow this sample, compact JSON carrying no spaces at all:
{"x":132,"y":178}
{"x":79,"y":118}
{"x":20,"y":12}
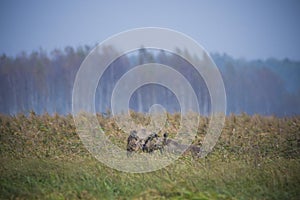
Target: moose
{"x":153,"y":142}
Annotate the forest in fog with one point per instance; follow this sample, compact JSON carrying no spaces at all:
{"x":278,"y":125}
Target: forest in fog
{"x":43,"y":82}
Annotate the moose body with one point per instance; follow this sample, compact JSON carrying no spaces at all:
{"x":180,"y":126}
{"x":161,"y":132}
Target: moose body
{"x":153,"y":142}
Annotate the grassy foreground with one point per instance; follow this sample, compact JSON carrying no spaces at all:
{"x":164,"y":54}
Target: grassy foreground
{"x":255,"y":158}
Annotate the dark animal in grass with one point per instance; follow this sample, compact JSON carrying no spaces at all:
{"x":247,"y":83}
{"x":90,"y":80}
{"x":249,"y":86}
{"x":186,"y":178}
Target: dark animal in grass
{"x":151,"y":143}
{"x":154,"y":142}
{"x":176,"y":147}
{"x":134,"y":143}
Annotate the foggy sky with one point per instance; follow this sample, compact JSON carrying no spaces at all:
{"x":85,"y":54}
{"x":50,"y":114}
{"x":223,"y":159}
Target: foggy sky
{"x":248,"y":29}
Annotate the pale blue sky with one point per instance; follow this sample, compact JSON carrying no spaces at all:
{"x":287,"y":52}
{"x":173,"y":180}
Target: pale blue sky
{"x":249,"y":29}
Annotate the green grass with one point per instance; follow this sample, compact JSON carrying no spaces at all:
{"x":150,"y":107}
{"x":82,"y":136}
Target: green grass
{"x":256,"y":158}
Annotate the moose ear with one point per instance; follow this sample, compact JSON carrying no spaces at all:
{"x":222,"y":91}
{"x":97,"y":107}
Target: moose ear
{"x":133,"y":132}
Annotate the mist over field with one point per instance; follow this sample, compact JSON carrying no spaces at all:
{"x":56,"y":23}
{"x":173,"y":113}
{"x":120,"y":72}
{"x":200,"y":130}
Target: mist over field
{"x":136,"y":140}
{"x":44,"y":82}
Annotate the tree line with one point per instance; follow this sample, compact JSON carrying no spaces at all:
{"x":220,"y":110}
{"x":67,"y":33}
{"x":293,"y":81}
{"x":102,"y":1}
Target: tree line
{"x":43,"y":82}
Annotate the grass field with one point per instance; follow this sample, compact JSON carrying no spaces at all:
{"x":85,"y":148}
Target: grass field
{"x":256,"y":157}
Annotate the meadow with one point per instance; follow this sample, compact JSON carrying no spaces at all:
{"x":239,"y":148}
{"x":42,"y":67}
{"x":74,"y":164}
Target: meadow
{"x":256,"y":157}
